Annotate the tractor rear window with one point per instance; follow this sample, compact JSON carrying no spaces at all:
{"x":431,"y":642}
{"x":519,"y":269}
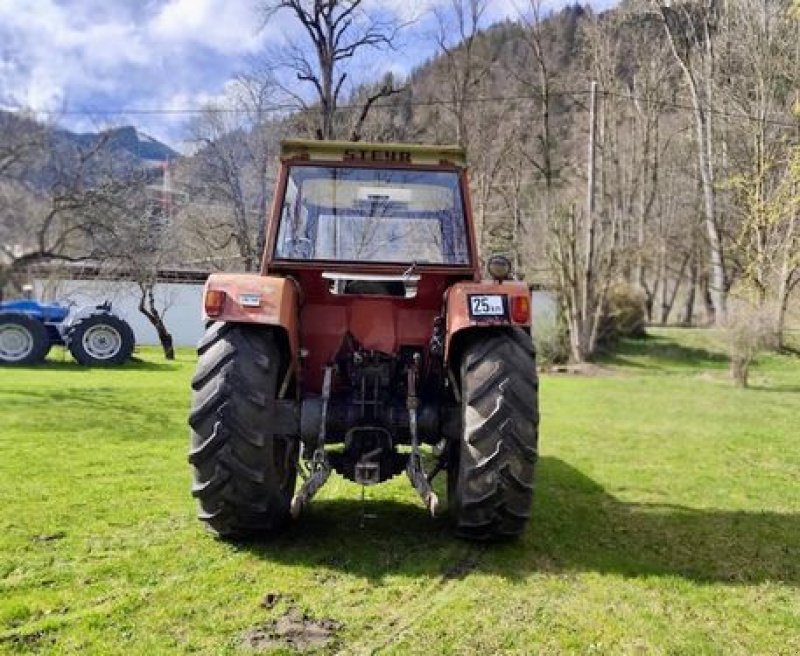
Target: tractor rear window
{"x":372,"y":215}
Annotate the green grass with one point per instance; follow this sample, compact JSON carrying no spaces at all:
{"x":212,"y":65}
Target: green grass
{"x":667,"y":520}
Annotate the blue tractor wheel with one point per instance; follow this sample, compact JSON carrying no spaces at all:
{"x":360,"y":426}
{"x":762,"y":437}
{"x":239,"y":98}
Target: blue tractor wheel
{"x":100,"y":339}
{"x":23,"y":340}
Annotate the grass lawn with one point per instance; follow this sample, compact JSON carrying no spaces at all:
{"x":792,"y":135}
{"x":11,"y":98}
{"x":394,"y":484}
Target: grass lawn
{"x":667,"y":520}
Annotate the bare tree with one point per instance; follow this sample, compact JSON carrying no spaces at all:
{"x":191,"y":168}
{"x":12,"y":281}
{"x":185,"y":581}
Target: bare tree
{"x":71,"y":220}
{"x":229,"y":178}
{"x":336,"y":31}
{"x":530,"y":173}
{"x":542,"y":84}
{"x":747,"y":331}
{"x":150,"y":245}
{"x":22,"y":141}
{"x":769,"y":242}
{"x":91,"y":212}
{"x":466,"y":63}
{"x":494,"y":131}
{"x":690,"y":28}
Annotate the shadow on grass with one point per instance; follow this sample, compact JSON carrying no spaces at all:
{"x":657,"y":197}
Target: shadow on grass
{"x":659,"y":352}
{"x":104,"y":402}
{"x":70,"y":365}
{"x":790,"y":389}
{"x":577,"y":526}
{"x":135,"y":364}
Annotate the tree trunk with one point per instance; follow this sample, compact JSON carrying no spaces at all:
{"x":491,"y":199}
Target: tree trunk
{"x":699,"y":81}
{"x":586,"y":311}
{"x":707,"y":300}
{"x":789,"y":277}
{"x":664,"y":279}
{"x":740,"y":370}
{"x":165,"y":338}
{"x":688,"y":308}
{"x":667,"y":303}
{"x":147,"y":306}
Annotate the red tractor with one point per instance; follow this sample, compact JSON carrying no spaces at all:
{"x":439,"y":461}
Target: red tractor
{"x":368,"y":334}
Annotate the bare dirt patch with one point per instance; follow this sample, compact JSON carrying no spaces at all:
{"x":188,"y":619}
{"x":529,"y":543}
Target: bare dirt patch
{"x":270,"y":599}
{"x":294,"y":629}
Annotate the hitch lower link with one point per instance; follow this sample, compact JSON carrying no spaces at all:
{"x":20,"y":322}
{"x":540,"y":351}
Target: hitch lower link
{"x":414,"y":469}
{"x":320,"y":466}
{"x":320,"y":469}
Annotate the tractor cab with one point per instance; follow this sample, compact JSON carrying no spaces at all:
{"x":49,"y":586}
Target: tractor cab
{"x":345,"y":213}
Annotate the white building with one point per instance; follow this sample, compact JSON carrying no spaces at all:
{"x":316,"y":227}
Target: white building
{"x":181,"y":302}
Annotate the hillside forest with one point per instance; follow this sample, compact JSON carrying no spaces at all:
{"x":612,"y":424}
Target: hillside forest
{"x":647,"y":152}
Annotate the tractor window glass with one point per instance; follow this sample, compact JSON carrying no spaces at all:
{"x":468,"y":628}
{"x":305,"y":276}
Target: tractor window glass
{"x":372,"y":215}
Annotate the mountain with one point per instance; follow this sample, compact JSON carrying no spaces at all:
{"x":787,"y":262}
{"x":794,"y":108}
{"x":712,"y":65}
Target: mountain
{"x":126,"y":140}
{"x":40,"y":156}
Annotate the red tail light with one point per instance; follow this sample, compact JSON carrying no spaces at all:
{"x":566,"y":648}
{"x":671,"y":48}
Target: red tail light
{"x":214,"y":301}
{"x":520,"y":309}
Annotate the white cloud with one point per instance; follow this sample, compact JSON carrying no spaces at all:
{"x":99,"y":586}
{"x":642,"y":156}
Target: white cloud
{"x":225,"y":26}
{"x":175,"y":54}
{"x":57,"y":52}
{"x":411,"y":10}
{"x":100,"y":55}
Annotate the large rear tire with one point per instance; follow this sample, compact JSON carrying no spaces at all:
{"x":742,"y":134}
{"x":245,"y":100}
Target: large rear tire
{"x":23,"y":340}
{"x":492,"y":470}
{"x":244,"y":473}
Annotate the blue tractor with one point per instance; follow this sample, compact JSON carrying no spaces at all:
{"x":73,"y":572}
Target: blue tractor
{"x":94,"y":335}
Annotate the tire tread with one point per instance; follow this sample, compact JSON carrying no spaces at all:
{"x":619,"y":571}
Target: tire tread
{"x":237,"y":485}
{"x":496,"y":467}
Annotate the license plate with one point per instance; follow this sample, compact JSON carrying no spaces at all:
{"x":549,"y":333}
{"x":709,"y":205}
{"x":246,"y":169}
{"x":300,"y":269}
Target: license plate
{"x":487,"y":305}
{"x":250,"y":300}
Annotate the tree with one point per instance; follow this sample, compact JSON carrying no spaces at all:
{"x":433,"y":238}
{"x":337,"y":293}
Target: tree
{"x":769,"y":241}
{"x":584,"y":252}
{"x":759,"y":75}
{"x":229,"y":178}
{"x":466,"y":61}
{"x":22,"y":142}
{"x":532,"y":163}
{"x":691,"y":29}
{"x":542,"y":84}
{"x":73,"y":217}
{"x":150,"y":244}
{"x":337,"y":31}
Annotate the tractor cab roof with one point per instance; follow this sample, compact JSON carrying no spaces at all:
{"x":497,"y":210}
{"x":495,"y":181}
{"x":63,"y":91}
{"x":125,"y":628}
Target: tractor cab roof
{"x":356,"y":152}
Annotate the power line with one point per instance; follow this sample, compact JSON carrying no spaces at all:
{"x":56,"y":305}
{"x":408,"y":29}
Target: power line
{"x":189,"y":111}
{"x":214,"y":109}
{"x":716,"y":112}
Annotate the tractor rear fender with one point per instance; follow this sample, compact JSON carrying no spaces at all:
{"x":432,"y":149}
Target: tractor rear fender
{"x":482,"y":306}
{"x":257,"y":299}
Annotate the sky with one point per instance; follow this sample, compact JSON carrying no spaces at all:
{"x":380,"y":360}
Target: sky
{"x":85,"y":63}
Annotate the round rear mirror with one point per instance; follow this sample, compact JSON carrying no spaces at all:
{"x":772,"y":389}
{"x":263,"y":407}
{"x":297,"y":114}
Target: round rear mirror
{"x":499,"y":267}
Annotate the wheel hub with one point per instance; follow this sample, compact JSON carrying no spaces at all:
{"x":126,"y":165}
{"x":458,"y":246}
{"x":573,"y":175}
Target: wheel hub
{"x":16,"y":343}
{"x":102,"y":342}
